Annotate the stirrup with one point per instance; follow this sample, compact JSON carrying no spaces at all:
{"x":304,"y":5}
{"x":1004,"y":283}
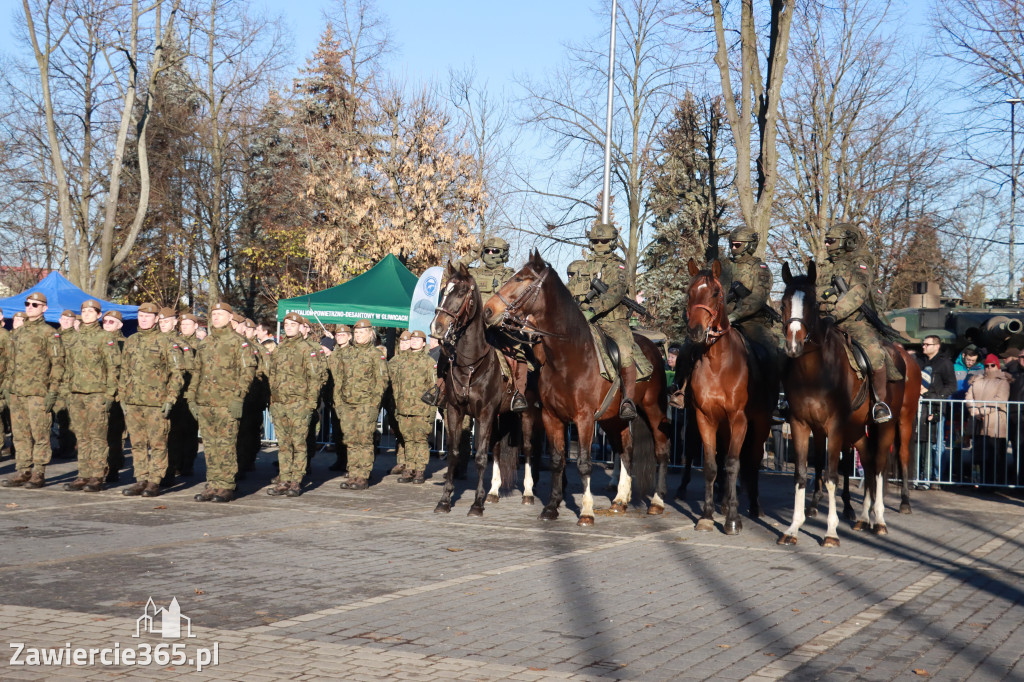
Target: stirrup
{"x":881,"y":413}
{"x":627,"y":410}
{"x":519,"y":403}
{"x":432,"y":397}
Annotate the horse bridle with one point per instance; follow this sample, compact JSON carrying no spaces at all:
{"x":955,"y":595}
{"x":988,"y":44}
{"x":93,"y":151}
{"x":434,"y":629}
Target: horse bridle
{"x":714,"y":333}
{"x":454,"y":328}
{"x":513,"y":310}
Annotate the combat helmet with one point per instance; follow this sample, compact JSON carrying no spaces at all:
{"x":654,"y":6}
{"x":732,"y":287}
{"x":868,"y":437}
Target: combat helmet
{"x":574,"y":268}
{"x":748,"y":237}
{"x":497,"y":244}
{"x":844,"y":237}
{"x":603,"y":238}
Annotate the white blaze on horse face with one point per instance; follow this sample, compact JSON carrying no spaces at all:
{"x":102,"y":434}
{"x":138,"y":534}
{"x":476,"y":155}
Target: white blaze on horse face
{"x":796,"y":311}
{"x":448,"y":288}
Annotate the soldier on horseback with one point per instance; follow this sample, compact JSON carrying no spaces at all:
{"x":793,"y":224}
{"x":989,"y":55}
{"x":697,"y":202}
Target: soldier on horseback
{"x":748,"y":283}
{"x":844,"y":288}
{"x":607,"y":310}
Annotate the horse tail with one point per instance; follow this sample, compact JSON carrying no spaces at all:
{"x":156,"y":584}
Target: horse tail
{"x":508,"y":458}
{"x":644,"y":460}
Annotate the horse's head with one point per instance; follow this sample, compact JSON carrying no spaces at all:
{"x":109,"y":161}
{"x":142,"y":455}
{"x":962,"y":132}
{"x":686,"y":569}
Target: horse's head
{"x":705,"y":306}
{"x":459,"y":305}
{"x":518,"y":298}
{"x":799,"y":308}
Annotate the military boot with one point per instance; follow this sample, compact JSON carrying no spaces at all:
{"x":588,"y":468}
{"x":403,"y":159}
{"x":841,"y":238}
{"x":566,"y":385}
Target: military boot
{"x":278,"y":489}
{"x":627,"y":410}
{"x":77,"y":484}
{"x":151,"y":490}
{"x":294,"y":489}
{"x":407,"y":476}
{"x":222,"y":495}
{"x":418,"y":477}
{"x":433,"y":396}
{"x":134,"y":489}
{"x":880,"y":412}
{"x":205,"y":496}
{"x":93,"y":485}
{"x":17,"y":480}
{"x":398,"y":469}
{"x":519,"y":403}
{"x":38,"y":480}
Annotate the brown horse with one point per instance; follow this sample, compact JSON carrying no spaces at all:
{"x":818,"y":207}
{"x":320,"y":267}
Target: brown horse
{"x":733,"y":392}
{"x":572,"y":389}
{"x":828,"y":399}
{"x":475,"y":386}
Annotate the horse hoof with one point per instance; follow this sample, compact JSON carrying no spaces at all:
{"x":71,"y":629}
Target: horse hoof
{"x":528,"y":499}
{"x":655,"y":510}
{"x":475,"y":511}
{"x":585,"y":521}
{"x":880,"y":529}
{"x":442,"y":508}
{"x":492,"y":498}
{"x":705,"y":525}
{"x":549,"y":515}
{"x":830,"y":542}
{"x":732,"y":527}
{"x":905,"y":508}
{"x":786,"y":540}
{"x":618,"y":508}
{"x":860,"y":526}
{"x":810,"y":512}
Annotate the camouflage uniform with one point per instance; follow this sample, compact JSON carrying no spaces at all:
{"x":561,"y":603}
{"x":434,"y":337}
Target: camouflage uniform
{"x":92,"y":363}
{"x":358,"y":388}
{"x":850,"y":259}
{"x":394,"y":367}
{"x":409,"y":379}
{"x":5,"y":365}
{"x":115,"y":424}
{"x":295,"y":374}
{"x":224,"y":369}
{"x":607,"y":310}
{"x":750,"y":313}
{"x":151,"y":382}
{"x":67,"y":441}
{"x":183,"y":440}
{"x":251,"y":425}
{"x":34,"y":378}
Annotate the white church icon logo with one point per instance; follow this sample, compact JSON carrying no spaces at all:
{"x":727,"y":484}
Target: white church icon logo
{"x":166,"y":622}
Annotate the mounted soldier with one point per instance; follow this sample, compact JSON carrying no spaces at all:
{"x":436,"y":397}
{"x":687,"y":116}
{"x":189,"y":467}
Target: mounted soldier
{"x":844,"y":286}
{"x":606,"y":310}
{"x":748,"y":284}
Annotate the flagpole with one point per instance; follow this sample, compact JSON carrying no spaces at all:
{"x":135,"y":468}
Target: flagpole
{"x":605,"y":198}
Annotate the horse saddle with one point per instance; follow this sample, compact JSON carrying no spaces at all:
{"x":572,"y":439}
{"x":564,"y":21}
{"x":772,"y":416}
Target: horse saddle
{"x":610,"y":358}
{"x":860,"y":363}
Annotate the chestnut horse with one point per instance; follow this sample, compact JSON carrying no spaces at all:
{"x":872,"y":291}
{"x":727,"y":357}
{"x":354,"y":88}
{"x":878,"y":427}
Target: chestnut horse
{"x":474,"y":385}
{"x":733,"y":394}
{"x":828,"y":399}
{"x":572,"y":389}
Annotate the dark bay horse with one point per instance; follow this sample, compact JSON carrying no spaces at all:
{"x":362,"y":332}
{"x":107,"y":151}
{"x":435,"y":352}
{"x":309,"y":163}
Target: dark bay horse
{"x":475,"y":386}
{"x":828,"y":399}
{"x":733,"y":392}
{"x":572,"y":389}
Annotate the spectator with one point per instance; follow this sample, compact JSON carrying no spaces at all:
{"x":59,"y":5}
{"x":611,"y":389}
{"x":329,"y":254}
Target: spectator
{"x":670,"y":364}
{"x":986,"y":401}
{"x":966,"y":368}
{"x":939,"y":384}
{"x":1011,"y":363}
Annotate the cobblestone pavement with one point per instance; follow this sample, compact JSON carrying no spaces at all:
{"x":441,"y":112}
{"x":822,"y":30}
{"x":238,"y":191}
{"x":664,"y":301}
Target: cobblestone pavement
{"x":373,"y":585}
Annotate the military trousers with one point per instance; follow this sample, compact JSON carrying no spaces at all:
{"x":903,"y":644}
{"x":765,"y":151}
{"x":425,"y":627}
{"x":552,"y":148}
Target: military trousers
{"x":622,"y":335}
{"x":863,"y":333}
{"x":220,"y":433}
{"x":291,"y":424}
{"x":88,"y":412}
{"x":416,"y":430}
{"x":30,"y":426}
{"x":359,"y":423}
{"x":148,"y":430}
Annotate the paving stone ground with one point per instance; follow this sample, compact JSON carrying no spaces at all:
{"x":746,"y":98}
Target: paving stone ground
{"x":373,"y":585}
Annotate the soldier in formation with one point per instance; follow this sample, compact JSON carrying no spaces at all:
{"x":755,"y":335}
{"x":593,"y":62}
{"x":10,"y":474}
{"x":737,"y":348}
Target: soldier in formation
{"x":92,"y":365}
{"x":183,"y":441}
{"x":33,"y":382}
{"x":112,"y":324}
{"x":409,"y":378}
{"x":296,"y":372}
{"x":150,"y":384}
{"x":393,"y":369}
{"x":224,"y":368}
{"x":358,"y":389}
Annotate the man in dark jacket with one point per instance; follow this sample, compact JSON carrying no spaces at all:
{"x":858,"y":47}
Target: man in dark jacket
{"x":938,"y":383}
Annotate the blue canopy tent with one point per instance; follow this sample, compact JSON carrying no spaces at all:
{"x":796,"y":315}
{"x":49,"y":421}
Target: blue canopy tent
{"x":61,"y":295}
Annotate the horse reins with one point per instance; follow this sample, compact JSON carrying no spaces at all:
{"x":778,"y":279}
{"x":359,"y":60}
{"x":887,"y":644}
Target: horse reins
{"x":451,"y":333}
{"x":514,"y":313}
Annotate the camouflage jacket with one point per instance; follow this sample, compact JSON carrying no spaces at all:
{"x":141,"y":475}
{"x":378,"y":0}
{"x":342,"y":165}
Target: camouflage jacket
{"x":151,"y":366}
{"x":37,"y":360}
{"x":224,"y":369}
{"x":858,"y":270}
{"x":753,"y":274}
{"x":92,"y":361}
{"x":188,"y":358}
{"x":611,"y":270}
{"x":410,"y":379}
{"x":296,"y":373}
{"x":357,"y":375}
{"x":488,"y":280}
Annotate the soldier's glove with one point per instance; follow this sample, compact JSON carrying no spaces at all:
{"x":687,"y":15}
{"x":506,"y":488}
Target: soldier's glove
{"x":165,"y":410}
{"x":733,"y":317}
{"x":828,"y":293}
{"x":235,"y":409}
{"x":49,"y":401}
{"x":588,"y":314}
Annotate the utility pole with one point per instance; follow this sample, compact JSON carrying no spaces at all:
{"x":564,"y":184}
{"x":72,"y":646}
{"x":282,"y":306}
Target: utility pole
{"x":1011,"y":284}
{"x":605,"y":199}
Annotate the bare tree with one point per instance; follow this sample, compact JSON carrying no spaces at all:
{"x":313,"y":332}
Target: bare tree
{"x":570,"y":110}
{"x":95,"y":51}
